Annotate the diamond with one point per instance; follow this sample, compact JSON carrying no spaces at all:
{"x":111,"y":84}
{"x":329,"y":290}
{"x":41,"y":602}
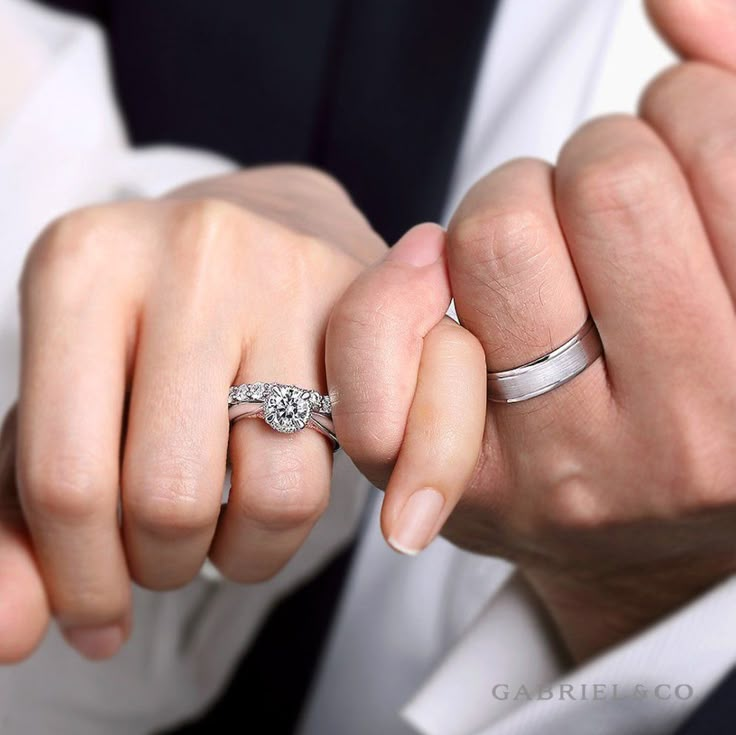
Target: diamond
{"x":326,"y":405}
{"x":257,"y":391}
{"x":237,"y":394}
{"x":287,"y":408}
{"x":247,"y":393}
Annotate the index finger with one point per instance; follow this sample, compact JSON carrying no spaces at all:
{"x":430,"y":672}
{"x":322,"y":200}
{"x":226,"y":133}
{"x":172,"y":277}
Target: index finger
{"x":442,"y":441}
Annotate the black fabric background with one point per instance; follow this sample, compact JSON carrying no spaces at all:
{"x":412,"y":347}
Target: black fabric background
{"x":374,"y":91}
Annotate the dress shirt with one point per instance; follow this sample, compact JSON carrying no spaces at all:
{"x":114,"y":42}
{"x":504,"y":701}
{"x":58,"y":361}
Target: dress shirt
{"x":430,"y":644}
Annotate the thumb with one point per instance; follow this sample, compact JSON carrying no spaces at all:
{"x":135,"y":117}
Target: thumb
{"x":374,"y":345}
{"x":701,"y":30}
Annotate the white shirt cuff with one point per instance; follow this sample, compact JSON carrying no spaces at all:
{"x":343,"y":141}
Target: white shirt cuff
{"x":507,"y":674}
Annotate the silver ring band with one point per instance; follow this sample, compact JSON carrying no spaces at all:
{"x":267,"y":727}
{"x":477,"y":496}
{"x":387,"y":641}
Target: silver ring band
{"x":285,"y":408}
{"x":549,"y":371}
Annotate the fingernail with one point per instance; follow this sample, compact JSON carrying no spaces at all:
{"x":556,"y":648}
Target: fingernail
{"x":96,"y":643}
{"x":421,"y":246}
{"x":417,"y":523}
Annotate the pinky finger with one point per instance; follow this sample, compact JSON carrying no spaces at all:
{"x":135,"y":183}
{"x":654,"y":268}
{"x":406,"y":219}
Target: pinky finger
{"x":24,"y":609}
{"x":442,"y":441}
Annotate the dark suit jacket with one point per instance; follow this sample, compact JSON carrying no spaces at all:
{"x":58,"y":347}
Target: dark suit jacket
{"x":717,"y":716}
{"x":374,"y":92}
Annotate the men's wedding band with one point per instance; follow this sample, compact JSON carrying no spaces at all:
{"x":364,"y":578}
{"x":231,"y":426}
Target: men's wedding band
{"x":285,"y":408}
{"x":549,"y":371}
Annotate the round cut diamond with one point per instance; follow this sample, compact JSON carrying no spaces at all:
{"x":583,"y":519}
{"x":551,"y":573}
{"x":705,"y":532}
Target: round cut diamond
{"x":287,"y":408}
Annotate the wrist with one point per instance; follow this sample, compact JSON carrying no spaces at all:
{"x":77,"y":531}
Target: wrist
{"x":596,"y":613}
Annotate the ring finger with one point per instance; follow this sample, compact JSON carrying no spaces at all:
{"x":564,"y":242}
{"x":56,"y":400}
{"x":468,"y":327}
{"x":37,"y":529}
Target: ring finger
{"x":280,"y":481}
{"x":514,"y":283}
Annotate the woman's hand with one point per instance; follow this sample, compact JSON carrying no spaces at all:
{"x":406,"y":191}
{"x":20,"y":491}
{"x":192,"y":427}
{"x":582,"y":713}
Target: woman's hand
{"x":136,"y":319}
{"x":409,"y":388}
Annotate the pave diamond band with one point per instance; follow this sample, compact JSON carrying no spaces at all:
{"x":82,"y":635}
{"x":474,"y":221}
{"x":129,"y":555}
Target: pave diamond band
{"x":548,"y":372}
{"x":285,"y":408}
{"x":257,"y":392}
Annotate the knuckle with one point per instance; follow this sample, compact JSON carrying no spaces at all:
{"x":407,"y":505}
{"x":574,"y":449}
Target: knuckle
{"x":571,"y":503}
{"x":661,"y":95}
{"x":623,"y":183}
{"x":69,"y":253}
{"x":170,"y":504}
{"x":507,"y":243}
{"x":253,"y":571}
{"x":232,"y":572}
{"x":201,"y":221}
{"x":698,"y":467}
{"x":458,"y":344}
{"x":706,"y":153}
{"x":208,"y":233}
{"x":202,"y":229}
{"x":65,"y":490}
{"x":88,"y":605}
{"x":351,"y":317}
{"x":281,"y":495}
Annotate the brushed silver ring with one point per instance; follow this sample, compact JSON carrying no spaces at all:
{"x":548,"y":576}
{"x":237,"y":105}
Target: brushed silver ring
{"x":549,"y":371}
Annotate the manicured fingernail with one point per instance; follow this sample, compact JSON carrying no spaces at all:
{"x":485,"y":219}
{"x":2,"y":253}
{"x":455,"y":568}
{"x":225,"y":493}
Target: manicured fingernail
{"x":96,"y":643}
{"x":417,"y":523}
{"x":421,"y":246}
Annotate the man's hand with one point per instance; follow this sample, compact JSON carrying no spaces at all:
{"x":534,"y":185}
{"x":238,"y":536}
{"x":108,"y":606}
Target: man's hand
{"x":615,"y":493}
